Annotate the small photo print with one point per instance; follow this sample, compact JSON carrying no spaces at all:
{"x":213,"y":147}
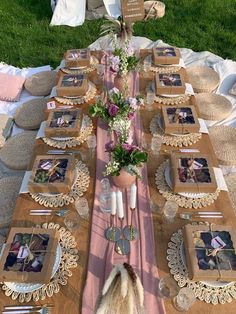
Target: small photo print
{"x":73,"y":55}
{"x":170,"y":80}
{"x":51,"y":170}
{"x":165,"y":52}
{"x":27,"y":253}
{"x":72,"y":80}
{"x":180,"y":115}
{"x":83,"y":54}
{"x":193,"y":170}
{"x":63,"y":119}
{"x":210,"y":258}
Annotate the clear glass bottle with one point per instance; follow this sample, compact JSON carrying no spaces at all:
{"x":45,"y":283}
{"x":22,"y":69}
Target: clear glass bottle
{"x":105,"y":196}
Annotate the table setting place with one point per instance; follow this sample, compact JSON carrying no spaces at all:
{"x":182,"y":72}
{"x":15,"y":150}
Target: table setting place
{"x":110,"y":168}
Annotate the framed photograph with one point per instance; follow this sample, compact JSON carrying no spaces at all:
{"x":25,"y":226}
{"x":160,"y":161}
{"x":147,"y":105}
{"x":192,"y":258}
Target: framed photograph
{"x":192,"y":173}
{"x":166,"y":55}
{"x":63,"y":123}
{"x":210,"y":252}
{"x":170,"y":83}
{"x":72,"y":85}
{"x":52,"y":174}
{"x":180,"y":119}
{"x":29,"y":255}
{"x":76,"y":58}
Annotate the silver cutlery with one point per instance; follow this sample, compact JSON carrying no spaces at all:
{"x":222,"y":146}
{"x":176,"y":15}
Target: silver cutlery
{"x":48,"y":212}
{"x":45,"y":309}
{"x":58,"y":152}
{"x":205,"y":215}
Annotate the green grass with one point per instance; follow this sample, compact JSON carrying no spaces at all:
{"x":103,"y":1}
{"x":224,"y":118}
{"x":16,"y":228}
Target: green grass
{"x":26,"y":39}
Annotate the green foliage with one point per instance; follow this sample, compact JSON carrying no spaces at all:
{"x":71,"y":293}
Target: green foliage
{"x":28,"y":40}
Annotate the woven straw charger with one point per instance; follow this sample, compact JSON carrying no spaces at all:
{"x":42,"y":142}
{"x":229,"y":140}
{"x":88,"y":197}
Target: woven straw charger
{"x":212,"y":106}
{"x":231,"y":184}
{"x":17,"y":151}
{"x":203,"y":79}
{"x":30,"y":115}
{"x":9,"y":188}
{"x":223,"y":139}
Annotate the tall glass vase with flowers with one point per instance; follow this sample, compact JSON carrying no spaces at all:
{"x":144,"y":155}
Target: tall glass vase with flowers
{"x":125,"y":163}
{"x":118,"y":111}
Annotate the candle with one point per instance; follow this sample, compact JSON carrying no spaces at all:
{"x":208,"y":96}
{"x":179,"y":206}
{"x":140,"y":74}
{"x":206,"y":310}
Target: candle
{"x":113,"y":203}
{"x":120,"y":208}
{"x":133,"y":196}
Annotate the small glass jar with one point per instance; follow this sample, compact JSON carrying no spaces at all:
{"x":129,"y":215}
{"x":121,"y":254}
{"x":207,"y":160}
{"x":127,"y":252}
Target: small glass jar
{"x":105,"y":196}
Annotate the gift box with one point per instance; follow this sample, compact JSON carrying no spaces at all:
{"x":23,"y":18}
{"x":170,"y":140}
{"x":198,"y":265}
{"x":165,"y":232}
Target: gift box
{"x":63,"y":123}
{"x":170,"y":84}
{"x":132,"y":10}
{"x":76,"y":58}
{"x":165,"y":55}
{"x":192,"y":172}
{"x":29,"y":255}
{"x":52,"y":174}
{"x":210,"y":252}
{"x":180,"y":119}
{"x":72,"y":85}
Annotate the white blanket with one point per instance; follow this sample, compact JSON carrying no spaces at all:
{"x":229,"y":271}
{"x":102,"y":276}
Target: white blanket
{"x":69,"y":12}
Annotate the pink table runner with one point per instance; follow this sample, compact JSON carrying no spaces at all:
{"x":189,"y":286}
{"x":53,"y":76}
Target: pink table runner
{"x":102,"y":256}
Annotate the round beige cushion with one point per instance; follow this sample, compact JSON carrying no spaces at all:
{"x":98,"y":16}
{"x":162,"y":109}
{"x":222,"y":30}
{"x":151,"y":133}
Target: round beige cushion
{"x":223,"y":139}
{"x":231,"y":184}
{"x":9,"y":187}
{"x":41,"y":84}
{"x":213,"y":106}
{"x":203,"y":79}
{"x":30,"y":115}
{"x":17,"y":151}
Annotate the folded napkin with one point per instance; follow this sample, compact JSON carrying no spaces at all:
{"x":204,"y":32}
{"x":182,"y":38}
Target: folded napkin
{"x":203,"y":127}
{"x":220,"y":180}
{"x":24,"y":184}
{"x":189,"y":89}
{"x":41,"y":131}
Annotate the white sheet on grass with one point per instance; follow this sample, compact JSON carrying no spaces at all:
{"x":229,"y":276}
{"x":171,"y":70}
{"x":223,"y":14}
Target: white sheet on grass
{"x":69,"y":12}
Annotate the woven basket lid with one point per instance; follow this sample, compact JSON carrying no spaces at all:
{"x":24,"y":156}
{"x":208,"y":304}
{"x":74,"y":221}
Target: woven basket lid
{"x":213,"y":106}
{"x":30,"y":115}
{"x":41,"y":84}
{"x":203,"y":79}
{"x":9,"y":188}
{"x":231,"y":184}
{"x":223,"y":139}
{"x":17,"y":151}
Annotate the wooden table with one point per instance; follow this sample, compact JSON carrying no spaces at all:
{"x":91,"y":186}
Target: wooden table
{"x":68,"y":300}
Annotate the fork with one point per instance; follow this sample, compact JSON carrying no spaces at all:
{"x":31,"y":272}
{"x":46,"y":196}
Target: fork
{"x":48,"y":212}
{"x":189,"y":216}
{"x":27,"y":309}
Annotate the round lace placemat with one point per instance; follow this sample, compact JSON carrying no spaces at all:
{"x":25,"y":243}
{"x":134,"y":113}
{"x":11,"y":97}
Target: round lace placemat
{"x":92,"y":91}
{"x":203,"y":79}
{"x":93,"y":62}
{"x":85,"y":131}
{"x":223,"y":139}
{"x":170,"y":140}
{"x":172,"y":100}
{"x":213,"y":106}
{"x":69,"y":260}
{"x":203,"y":291}
{"x":79,"y":187}
{"x":182,"y":201}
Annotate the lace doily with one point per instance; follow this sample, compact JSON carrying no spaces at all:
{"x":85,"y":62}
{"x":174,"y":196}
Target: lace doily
{"x":170,"y":140}
{"x":93,"y":62}
{"x":172,"y":100}
{"x":92,"y":91}
{"x":69,"y":260}
{"x":182,"y":201}
{"x":79,"y":187}
{"x":203,"y":291}
{"x":85,"y":131}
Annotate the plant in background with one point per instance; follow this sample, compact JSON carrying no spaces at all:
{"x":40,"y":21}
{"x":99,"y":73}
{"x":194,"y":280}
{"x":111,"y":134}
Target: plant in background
{"x":118,"y":111}
{"x":124,"y":156}
{"x":117,"y":27}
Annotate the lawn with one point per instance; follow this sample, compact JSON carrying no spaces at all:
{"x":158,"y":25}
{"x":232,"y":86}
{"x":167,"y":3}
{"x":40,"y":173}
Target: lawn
{"x":27,"y":39}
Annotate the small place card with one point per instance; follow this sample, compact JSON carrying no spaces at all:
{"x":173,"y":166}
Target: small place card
{"x":41,"y":131}
{"x":24,"y":185}
{"x":203,"y":127}
{"x":51,"y":105}
{"x":217,"y":243}
{"x":189,"y":89}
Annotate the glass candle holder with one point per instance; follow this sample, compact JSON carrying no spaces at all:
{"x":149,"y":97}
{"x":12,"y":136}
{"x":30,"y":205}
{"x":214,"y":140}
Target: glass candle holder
{"x":168,"y":287}
{"x":82,"y":207}
{"x":71,"y":221}
{"x":169,"y":211}
{"x":156,"y":143}
{"x":184,"y":299}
